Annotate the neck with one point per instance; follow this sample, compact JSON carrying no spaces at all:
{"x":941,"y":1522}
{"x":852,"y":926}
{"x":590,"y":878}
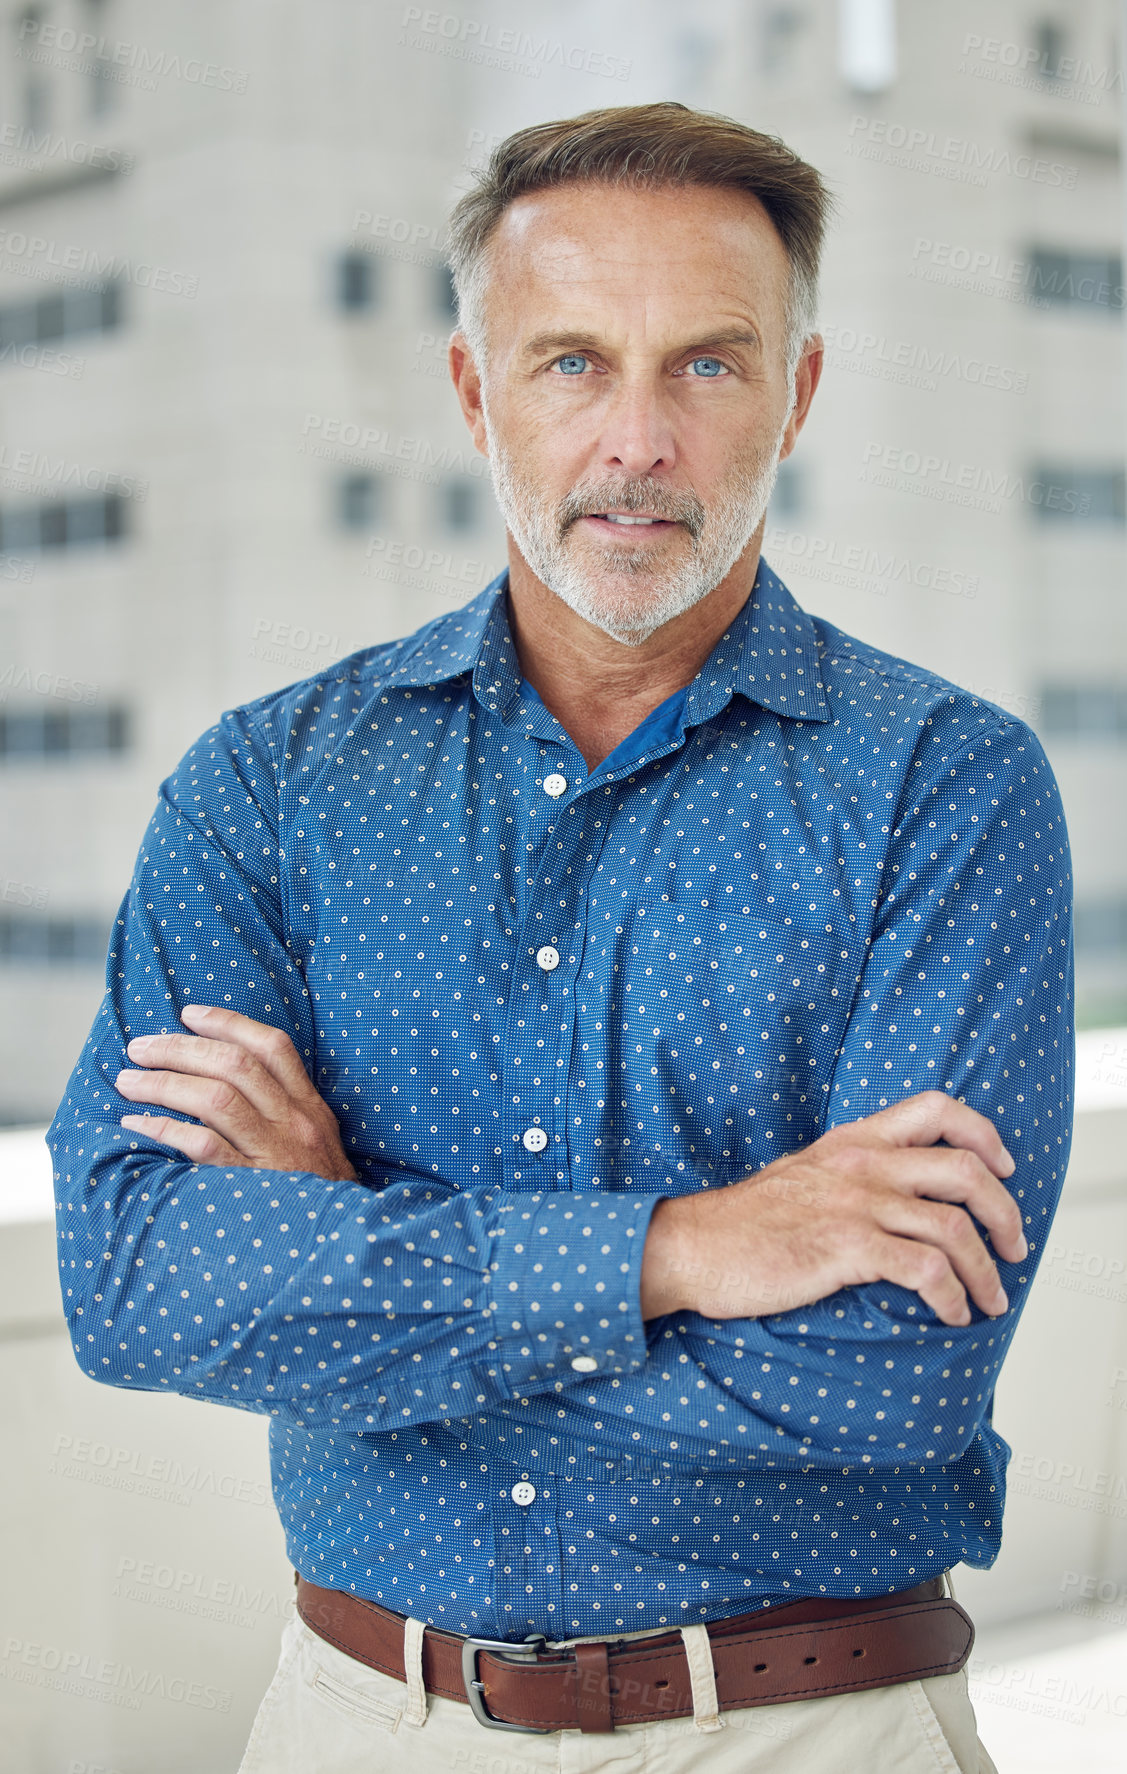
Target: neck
{"x":600,"y":688}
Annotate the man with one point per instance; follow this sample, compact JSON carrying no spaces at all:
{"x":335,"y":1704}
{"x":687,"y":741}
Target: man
{"x":626,"y":1084}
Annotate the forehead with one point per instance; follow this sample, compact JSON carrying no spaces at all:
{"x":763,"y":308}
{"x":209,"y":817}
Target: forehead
{"x":597,"y":245}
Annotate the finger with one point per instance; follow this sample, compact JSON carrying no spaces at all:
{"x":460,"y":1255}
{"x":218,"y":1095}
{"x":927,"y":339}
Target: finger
{"x":211,"y":1100}
{"x":202,"y":1144}
{"x":925,"y":1270}
{"x":198,"y":1056}
{"x":930,"y":1116}
{"x":949,"y":1229}
{"x":944,"y":1173}
{"x":270,"y":1046}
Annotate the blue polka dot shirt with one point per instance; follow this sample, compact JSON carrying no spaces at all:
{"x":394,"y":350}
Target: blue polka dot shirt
{"x":539,"y":1000}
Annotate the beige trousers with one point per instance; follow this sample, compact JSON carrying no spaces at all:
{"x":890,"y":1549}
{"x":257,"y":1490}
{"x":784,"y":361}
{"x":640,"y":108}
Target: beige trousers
{"x":325,"y":1713}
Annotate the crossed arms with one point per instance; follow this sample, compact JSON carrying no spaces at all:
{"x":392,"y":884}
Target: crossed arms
{"x":839,"y":1305}
{"x":875,"y":1200}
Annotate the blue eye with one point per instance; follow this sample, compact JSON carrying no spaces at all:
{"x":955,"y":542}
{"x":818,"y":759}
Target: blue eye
{"x":571,"y":365}
{"x":707,"y":366}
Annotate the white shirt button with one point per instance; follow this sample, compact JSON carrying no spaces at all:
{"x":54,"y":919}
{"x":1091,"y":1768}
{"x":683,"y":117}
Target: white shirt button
{"x":523,"y":1492}
{"x":535,"y":1139}
{"x":548,"y":958}
{"x":555,"y":785}
{"x":584,"y":1364}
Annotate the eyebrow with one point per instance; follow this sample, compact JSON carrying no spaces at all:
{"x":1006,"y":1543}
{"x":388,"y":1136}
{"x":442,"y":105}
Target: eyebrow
{"x":542,"y":342}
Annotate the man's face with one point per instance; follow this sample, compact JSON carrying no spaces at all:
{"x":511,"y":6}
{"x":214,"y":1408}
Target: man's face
{"x":635,"y":401}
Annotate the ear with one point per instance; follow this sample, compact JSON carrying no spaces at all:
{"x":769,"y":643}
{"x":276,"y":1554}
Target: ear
{"x":467,"y":385}
{"x":806,"y":378}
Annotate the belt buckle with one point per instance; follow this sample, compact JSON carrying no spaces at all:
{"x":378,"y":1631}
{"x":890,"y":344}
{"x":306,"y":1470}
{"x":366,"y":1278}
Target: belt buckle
{"x":475,"y":1688}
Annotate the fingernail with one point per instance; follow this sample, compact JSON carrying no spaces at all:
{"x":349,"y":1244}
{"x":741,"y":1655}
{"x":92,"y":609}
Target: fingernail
{"x":1024,"y":1250}
{"x":140,"y":1041}
{"x":1001,"y":1305}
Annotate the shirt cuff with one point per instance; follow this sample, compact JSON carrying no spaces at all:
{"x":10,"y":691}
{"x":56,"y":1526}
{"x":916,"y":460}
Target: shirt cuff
{"x":566,"y":1297}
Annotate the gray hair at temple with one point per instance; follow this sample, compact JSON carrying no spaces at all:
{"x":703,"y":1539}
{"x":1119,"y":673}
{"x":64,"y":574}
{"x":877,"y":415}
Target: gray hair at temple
{"x":642,"y":148}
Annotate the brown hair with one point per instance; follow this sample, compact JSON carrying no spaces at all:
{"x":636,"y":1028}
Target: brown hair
{"x":644,"y":147}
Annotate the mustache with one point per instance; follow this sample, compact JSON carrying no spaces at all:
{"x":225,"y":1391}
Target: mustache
{"x":639,"y":495}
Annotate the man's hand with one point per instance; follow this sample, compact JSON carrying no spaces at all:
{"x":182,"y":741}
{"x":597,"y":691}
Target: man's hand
{"x":877,"y":1200}
{"x":245,"y":1082}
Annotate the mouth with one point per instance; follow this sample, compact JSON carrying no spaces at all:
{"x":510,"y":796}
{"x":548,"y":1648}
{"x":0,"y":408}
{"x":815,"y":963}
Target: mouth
{"x":614,"y":520}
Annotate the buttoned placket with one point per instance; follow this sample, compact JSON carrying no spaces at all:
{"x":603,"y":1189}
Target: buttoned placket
{"x":571,"y":823}
{"x":570,"y":815}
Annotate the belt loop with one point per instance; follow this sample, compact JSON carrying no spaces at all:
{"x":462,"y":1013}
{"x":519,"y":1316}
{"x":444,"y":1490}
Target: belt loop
{"x":698,"y":1654}
{"x":594,"y":1708}
{"x":415,"y":1712}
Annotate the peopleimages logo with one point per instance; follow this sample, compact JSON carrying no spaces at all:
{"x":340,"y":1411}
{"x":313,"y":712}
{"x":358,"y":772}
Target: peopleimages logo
{"x":501,"y":46}
{"x":115,"y":59}
{"x":1035,"y":69}
{"x":222,"y":1599}
{"x":46,"y":683}
{"x":22,"y":146}
{"x":861,"y":566}
{"x":384,"y":551}
{"x":128,"y":1469}
{"x":33,"y":253}
{"x":24,"y":893}
{"x":45,"y":358}
{"x":32,"y":471}
{"x":950,"y":157}
{"x":987,"y":273}
{"x":918,"y":366}
{"x":1064,"y":1481}
{"x":374,"y":446}
{"x":1079,"y":1588}
{"x":395,"y":237}
{"x":85,"y":1674}
{"x":964,"y":483}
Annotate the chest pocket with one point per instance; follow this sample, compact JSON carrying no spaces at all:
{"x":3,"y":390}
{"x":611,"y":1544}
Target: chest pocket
{"x":741,"y":1018}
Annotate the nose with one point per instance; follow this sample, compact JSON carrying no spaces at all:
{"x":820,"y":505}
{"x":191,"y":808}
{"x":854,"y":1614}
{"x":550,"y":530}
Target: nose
{"x":637,"y":436}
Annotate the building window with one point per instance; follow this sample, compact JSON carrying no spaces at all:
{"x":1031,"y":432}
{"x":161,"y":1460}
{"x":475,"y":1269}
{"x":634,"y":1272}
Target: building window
{"x":867,"y":44}
{"x":788,"y":497}
{"x":1057,"y":278}
{"x":62,"y":523}
{"x":28,"y":940}
{"x":1071,"y":496}
{"x":358,"y":501}
{"x":36,"y":110}
{"x":1049,"y":39}
{"x":445,"y":300}
{"x":1100,"y":926}
{"x":98,"y":64}
{"x":780,"y":28}
{"x":62,"y":731}
{"x":1095,"y":712}
{"x":459,"y":500}
{"x":62,"y":315}
{"x":356,"y":282}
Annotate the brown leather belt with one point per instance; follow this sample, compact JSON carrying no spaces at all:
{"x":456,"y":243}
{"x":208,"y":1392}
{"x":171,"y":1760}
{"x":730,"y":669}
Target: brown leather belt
{"x":800,"y":1651}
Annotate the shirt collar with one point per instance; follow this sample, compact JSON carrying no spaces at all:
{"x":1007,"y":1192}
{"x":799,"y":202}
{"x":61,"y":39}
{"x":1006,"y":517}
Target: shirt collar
{"x":769,"y":654}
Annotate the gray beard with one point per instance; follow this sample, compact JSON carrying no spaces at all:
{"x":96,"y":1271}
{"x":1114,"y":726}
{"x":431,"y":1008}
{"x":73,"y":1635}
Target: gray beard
{"x":543,"y":532}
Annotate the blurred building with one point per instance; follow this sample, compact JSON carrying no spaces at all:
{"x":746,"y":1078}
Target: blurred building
{"x":229,"y":453}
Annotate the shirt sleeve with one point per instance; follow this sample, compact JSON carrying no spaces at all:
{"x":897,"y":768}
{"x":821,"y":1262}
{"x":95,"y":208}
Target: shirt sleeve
{"x":398,"y":1298}
{"x":967,"y":989}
